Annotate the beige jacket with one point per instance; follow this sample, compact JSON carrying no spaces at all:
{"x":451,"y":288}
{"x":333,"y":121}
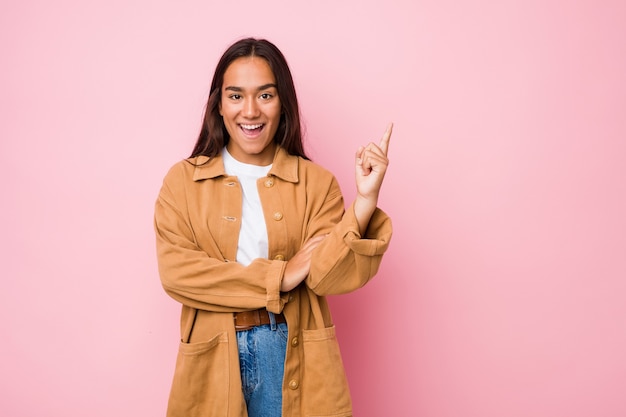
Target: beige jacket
{"x":197,"y":220}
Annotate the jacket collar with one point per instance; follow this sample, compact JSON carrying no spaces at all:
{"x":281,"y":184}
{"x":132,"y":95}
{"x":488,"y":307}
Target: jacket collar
{"x":284,"y":166}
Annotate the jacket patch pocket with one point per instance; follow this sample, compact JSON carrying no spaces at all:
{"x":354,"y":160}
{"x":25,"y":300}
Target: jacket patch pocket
{"x":200,"y":386}
{"x":324,"y":379}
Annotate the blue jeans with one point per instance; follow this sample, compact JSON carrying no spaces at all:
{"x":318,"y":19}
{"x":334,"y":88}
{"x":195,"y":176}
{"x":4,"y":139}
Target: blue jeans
{"x":262,"y":361}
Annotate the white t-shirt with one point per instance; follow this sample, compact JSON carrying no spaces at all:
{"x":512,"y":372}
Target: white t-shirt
{"x":253,"y":233}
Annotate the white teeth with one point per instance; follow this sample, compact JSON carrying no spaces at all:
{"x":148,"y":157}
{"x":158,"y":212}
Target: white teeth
{"x":251,"y":127}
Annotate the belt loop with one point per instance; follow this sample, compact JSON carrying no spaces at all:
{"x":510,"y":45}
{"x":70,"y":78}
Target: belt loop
{"x":272,"y":320}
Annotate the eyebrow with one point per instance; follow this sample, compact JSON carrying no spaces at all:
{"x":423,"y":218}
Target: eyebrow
{"x":239,"y":89}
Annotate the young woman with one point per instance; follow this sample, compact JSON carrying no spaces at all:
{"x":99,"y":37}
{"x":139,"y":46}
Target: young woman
{"x":251,"y":237}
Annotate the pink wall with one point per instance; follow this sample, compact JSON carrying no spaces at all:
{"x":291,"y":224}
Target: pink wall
{"x":503,"y":291}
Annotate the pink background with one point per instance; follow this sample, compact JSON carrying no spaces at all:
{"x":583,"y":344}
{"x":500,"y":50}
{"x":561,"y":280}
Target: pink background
{"x":503,"y":293}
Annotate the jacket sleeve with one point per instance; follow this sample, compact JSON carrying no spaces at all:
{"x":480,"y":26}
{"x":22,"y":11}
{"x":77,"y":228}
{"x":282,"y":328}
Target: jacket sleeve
{"x":345,"y":260}
{"x":192,"y":277}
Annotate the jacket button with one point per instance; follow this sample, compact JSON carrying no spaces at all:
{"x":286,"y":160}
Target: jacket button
{"x":293,"y":384}
{"x":294,"y":341}
{"x":278,"y":216}
{"x":279,"y":257}
{"x":269,"y":183}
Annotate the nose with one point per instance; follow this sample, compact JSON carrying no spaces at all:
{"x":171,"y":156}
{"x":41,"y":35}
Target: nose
{"x":250,"y":108}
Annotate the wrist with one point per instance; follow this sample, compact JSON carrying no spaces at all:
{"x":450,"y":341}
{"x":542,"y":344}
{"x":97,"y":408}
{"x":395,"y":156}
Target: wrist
{"x":363,"y":209}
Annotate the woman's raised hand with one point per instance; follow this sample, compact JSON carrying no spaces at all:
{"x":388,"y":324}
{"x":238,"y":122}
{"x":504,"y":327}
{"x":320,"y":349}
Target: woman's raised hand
{"x":371,"y":165}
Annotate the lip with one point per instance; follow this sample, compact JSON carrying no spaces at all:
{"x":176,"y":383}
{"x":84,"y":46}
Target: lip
{"x":251,"y":130}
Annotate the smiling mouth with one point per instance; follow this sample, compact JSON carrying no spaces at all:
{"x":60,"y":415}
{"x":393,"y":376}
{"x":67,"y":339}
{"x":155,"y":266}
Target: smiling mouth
{"x":252,"y":130}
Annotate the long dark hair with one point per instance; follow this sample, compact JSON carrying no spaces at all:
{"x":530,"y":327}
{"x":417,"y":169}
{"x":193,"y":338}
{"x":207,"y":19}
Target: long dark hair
{"x":213,"y":135}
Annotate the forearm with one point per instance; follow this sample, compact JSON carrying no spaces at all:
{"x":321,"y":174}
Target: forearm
{"x":214,"y":285}
{"x":346,"y":260}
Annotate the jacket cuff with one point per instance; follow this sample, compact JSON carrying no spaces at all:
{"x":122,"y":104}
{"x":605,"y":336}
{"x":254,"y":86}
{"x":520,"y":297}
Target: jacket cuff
{"x":275,"y":302}
{"x":375,"y":240}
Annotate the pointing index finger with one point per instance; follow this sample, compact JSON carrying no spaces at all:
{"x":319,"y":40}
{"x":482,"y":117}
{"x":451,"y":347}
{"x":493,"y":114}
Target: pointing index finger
{"x":384,"y":142}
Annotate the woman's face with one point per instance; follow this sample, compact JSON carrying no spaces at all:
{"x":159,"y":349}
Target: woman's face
{"x":251,"y":109}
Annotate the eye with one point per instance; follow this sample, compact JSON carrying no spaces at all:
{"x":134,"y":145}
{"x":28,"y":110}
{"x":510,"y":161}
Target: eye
{"x":234,"y":97}
{"x":266,"y":96}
